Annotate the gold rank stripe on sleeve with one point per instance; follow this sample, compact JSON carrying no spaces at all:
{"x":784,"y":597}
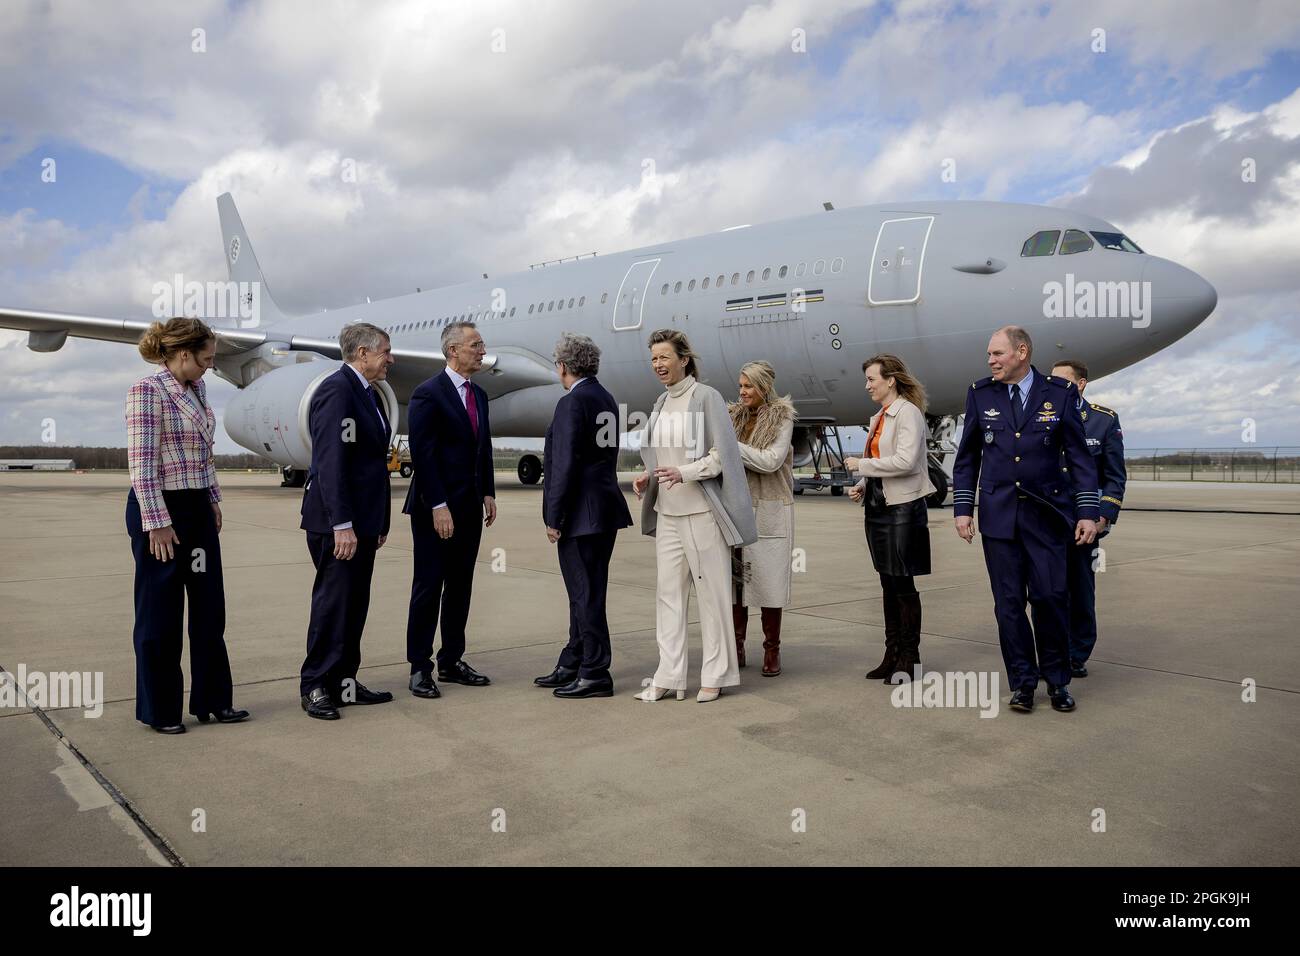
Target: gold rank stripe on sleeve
{"x":1114,"y":501}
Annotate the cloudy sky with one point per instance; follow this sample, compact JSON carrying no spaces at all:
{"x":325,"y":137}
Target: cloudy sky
{"x":490,"y":135}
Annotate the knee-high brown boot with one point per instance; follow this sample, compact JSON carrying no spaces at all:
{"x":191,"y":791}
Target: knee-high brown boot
{"x":771,"y":641}
{"x":740,"y":620}
{"x":893,"y":627}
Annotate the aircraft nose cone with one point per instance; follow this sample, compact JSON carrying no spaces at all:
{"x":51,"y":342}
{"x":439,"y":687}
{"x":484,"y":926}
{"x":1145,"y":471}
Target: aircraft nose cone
{"x":1180,"y":299}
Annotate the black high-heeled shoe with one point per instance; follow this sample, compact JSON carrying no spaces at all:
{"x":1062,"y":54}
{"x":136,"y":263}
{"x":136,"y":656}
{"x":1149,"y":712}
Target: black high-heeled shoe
{"x":227,"y":716}
{"x":168,"y":728}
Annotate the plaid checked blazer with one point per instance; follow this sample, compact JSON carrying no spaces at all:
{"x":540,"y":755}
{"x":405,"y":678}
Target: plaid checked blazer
{"x":169,"y":443}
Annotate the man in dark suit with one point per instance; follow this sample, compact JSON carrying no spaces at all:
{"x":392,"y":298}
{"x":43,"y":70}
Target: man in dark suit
{"x":1022,"y":445}
{"x":583,"y":510}
{"x":1106,"y":442}
{"x":451,"y":498}
{"x":345,"y":512}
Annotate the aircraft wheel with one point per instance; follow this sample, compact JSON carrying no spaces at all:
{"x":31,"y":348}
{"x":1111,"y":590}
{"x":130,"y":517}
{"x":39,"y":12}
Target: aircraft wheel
{"x":837,"y":490}
{"x":293,"y":477}
{"x":406,"y":471}
{"x":530,"y":469}
{"x":940,"y":482}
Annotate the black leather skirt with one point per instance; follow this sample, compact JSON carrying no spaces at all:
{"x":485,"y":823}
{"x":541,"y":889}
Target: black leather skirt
{"x":897,"y":535}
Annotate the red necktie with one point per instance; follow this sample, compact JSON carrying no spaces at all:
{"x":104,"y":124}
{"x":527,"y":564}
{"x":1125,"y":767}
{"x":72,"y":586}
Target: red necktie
{"x":471,"y":407}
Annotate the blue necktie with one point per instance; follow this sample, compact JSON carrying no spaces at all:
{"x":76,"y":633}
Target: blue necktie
{"x":1015,"y":403}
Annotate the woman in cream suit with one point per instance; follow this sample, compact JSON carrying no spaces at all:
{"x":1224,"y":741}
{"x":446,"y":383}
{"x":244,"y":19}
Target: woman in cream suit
{"x":894,"y":486}
{"x":764,"y":423}
{"x":695,"y":502}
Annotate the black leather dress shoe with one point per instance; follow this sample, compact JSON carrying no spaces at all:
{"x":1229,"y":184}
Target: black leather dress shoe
{"x":422,"y":685}
{"x":1022,"y":700}
{"x":558,"y":677}
{"x":1078,"y":670}
{"x":318,"y":703}
{"x":361,"y":694}
{"x":227,"y":716}
{"x":586,"y":687}
{"x":1060,"y":698}
{"x":462,"y":673}
{"x":169,"y":728}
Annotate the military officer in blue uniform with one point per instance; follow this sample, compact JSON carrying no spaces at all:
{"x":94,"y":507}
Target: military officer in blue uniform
{"x":1022,"y":445}
{"x":1106,"y":442}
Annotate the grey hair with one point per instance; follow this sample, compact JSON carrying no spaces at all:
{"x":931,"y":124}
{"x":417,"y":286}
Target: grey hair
{"x":451,"y":334}
{"x":579,"y":354}
{"x":358,"y":335}
{"x":1018,"y":337}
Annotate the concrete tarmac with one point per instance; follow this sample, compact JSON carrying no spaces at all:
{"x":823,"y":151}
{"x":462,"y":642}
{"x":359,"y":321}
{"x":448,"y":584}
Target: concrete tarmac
{"x":1163,"y":763}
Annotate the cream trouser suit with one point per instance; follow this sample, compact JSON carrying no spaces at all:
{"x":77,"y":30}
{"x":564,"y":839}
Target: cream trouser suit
{"x":689,"y":546}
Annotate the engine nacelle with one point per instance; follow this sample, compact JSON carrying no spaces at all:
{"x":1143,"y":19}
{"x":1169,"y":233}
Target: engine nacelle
{"x":269,"y":417}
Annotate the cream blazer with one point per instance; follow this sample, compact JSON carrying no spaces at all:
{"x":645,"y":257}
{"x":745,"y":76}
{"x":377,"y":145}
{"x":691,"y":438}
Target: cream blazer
{"x":903,"y":465}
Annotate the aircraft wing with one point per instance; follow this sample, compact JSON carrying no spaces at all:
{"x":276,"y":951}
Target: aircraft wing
{"x":507,"y":370}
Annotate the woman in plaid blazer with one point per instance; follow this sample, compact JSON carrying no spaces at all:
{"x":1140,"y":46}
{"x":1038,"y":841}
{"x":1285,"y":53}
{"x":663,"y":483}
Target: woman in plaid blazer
{"x":173,"y":518}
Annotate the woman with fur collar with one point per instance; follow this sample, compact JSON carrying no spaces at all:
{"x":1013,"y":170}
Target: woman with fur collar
{"x":764,"y":423}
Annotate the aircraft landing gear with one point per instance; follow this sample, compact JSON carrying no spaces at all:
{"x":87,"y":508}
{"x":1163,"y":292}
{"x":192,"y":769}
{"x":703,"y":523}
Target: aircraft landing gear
{"x":293,"y":477}
{"x":941,"y":443}
{"x":530,"y":470}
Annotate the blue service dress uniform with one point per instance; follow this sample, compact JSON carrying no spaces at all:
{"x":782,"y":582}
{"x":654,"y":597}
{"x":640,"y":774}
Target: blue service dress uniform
{"x":1106,"y":442}
{"x":1035,"y":479}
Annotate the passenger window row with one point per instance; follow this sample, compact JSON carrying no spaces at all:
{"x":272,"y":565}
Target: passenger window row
{"x":689,"y":285}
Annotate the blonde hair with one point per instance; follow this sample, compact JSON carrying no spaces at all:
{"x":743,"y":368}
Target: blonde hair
{"x":907,"y":385}
{"x":681,"y":345}
{"x":162,"y":340}
{"x":762,"y":376}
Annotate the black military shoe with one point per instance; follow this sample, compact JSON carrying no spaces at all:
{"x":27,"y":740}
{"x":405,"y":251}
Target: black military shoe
{"x":586,"y":687}
{"x":1061,"y":699}
{"x":422,"y":685}
{"x":1078,"y":670}
{"x":1022,"y":700}
{"x":558,"y":677}
{"x":318,"y":703}
{"x":462,"y":673}
{"x":361,"y":694}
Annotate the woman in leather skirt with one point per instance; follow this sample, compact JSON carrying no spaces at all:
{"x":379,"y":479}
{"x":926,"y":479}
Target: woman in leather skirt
{"x":894,"y":486}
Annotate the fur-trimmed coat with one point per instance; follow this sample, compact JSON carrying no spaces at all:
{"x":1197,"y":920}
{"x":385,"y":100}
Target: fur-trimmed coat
{"x":762,"y":570}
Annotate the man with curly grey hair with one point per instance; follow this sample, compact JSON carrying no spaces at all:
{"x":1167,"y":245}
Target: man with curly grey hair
{"x":583,"y":509}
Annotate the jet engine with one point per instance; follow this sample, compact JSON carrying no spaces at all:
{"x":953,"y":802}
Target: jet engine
{"x":269,"y":416}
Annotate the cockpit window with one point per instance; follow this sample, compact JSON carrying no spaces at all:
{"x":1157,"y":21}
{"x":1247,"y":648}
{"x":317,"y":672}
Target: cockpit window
{"x":1075,"y":241}
{"x":1041,"y":243}
{"x":1116,"y":240}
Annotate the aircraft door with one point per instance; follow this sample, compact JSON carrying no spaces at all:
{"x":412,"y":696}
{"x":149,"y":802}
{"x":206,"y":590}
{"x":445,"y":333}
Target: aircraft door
{"x":629,"y":303}
{"x":897,"y":260}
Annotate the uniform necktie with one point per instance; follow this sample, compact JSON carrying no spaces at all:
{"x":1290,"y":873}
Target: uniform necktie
{"x":471,"y":407}
{"x":1015,"y":402}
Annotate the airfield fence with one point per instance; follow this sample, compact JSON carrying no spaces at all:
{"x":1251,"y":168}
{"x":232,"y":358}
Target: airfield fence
{"x":1279,"y":464}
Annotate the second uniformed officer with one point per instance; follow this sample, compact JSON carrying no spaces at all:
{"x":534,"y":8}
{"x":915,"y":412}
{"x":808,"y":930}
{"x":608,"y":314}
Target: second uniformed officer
{"x":1022,"y":443}
{"x":1106,"y":442}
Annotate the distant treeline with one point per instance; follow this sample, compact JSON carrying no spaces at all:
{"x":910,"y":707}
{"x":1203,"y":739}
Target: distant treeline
{"x":115,"y":458}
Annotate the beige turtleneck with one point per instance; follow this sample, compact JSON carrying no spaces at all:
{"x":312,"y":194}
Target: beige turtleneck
{"x":672,"y":432}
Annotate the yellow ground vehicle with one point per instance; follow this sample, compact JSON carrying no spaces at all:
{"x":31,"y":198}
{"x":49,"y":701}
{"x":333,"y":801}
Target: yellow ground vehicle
{"x":399,"y":457}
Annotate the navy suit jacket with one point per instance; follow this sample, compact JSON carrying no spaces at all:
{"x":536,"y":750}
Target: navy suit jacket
{"x":581,"y":494}
{"x":450,"y":463}
{"x":348,"y":479}
{"x":1044,"y":457}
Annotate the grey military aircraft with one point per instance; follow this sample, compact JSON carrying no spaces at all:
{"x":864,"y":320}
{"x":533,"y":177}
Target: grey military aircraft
{"x":815,"y":296}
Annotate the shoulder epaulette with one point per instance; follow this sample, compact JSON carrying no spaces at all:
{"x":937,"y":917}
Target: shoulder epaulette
{"x":1102,"y":408}
{"x":982,"y":382}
